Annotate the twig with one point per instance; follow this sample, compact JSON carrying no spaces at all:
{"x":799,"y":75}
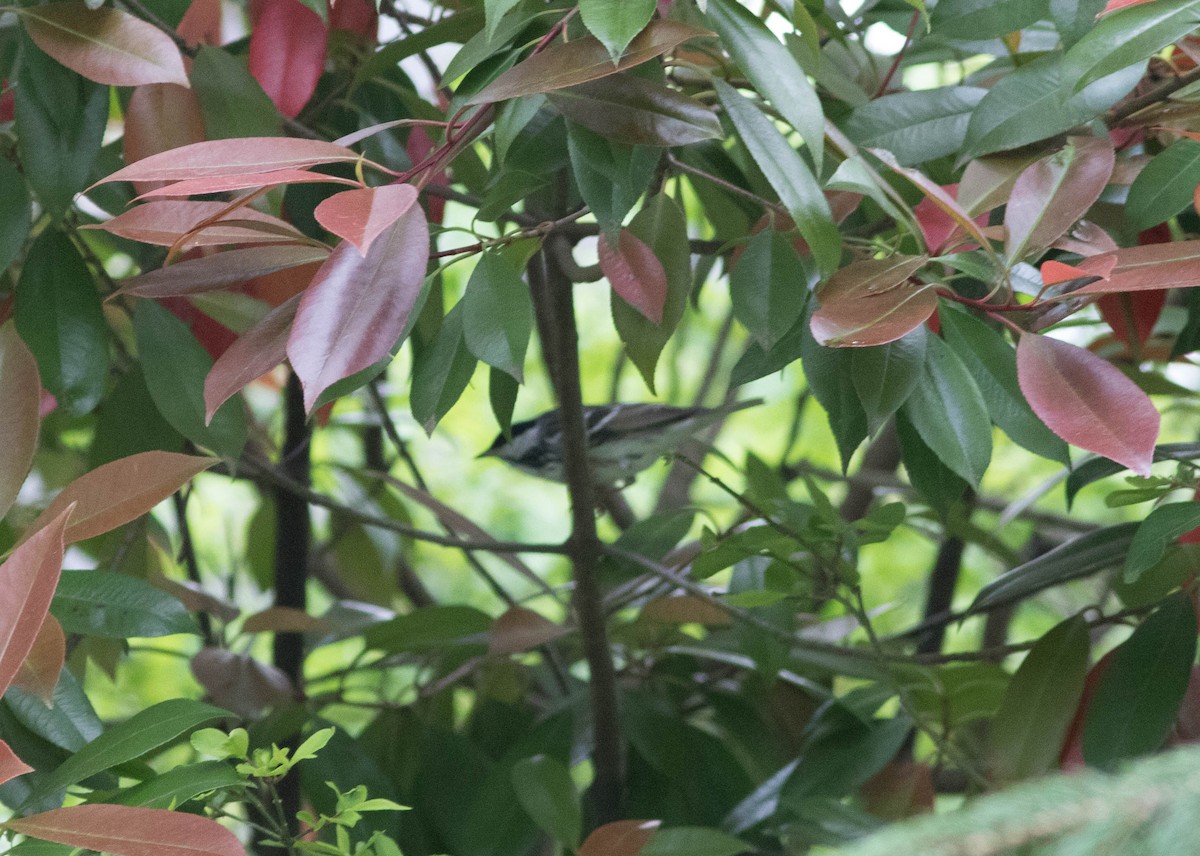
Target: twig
{"x":187,"y":551}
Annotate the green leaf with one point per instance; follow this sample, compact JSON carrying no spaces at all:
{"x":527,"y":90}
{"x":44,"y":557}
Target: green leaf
{"x":637,"y":112}
{"x":180,"y":785}
{"x":58,"y":314}
{"x":661,"y":225}
{"x":1096,"y":468}
{"x":1074,"y":18}
{"x":15,"y":212}
{"x":693,"y":841}
{"x":1164,"y":187}
{"x":493,"y":11}
{"x":1138,"y":697}
{"x":788,"y":174}
{"x":611,"y":176}
{"x":497,"y":315}
{"x":1032,"y":104}
{"x":547,"y":793}
{"x":431,"y":629}
{"x":830,"y":376}
{"x":769,"y":287}
{"x":231,"y":100}
{"x":615,"y":22}
{"x":1156,"y":533}
{"x":441,"y":372}
{"x":949,"y":413}
{"x":1080,"y":557}
{"x":175,"y":365}
{"x":772,"y":69}
{"x":105,"y":603}
{"x":128,"y":423}
{"x":142,"y":733}
{"x":60,"y":124}
{"x":975,"y":20}
{"x":940,"y":487}
{"x":1028,"y":730}
{"x":1128,"y":37}
{"x":916,"y":126}
{"x":993,"y":364}
{"x":885,"y":375}
{"x":502,"y":394}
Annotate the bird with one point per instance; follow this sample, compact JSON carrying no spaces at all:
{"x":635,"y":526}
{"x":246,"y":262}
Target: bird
{"x":623,"y":439}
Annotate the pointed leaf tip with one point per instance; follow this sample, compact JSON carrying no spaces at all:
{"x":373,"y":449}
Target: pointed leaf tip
{"x":635,"y":273}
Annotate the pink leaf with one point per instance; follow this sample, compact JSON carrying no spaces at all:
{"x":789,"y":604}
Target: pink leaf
{"x":243,"y":181}
{"x":620,"y":838}
{"x":105,"y":45}
{"x":130,"y":831}
{"x":234,"y":157}
{"x":20,"y":417}
{"x":360,"y":216}
{"x":28,"y":580}
{"x":10,"y":765}
{"x":1087,"y":401}
{"x":635,"y":273}
{"x":287,"y":52}
{"x":164,"y":222}
{"x":358,"y":306}
{"x":872,"y":302}
{"x":39,"y":673}
{"x":255,"y":353}
{"x":221,"y":270}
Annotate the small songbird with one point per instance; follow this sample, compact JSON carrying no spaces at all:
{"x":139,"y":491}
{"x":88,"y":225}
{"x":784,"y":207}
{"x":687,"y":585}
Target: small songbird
{"x":623,"y":439}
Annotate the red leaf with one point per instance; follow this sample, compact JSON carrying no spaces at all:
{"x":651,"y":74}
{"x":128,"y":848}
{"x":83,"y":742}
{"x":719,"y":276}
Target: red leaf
{"x":419,"y":146}
{"x":10,"y":765}
{"x":635,"y":273}
{"x":224,"y":183}
{"x":163,"y":222}
{"x":358,"y":306}
{"x":28,"y":580}
{"x":255,"y":353}
{"x":105,"y":44}
{"x":355,"y":16}
{"x":1087,"y":401}
{"x":621,"y":838}
{"x":935,"y":193}
{"x":1132,"y":316}
{"x":1175,"y":265}
{"x":872,"y":302}
{"x":287,"y":52}
{"x":221,"y":270}
{"x":39,"y":673}
{"x":214,"y":336}
{"x":936,"y":225}
{"x":360,"y":216}
{"x":160,"y":117}
{"x":1055,"y":273}
{"x":20,"y":417}
{"x":130,"y":831}
{"x":201,"y":24}
{"x":239,"y":156}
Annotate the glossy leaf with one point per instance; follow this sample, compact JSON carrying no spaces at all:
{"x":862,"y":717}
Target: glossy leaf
{"x":985,"y":19}
{"x":234,"y":157}
{"x":39,"y":673}
{"x":10,"y":765}
{"x":105,"y":44}
{"x":142,"y":733}
{"x":915,"y":126}
{"x":611,"y":176}
{"x":1029,"y":728}
{"x":441,"y":372}
{"x":1165,"y":186}
{"x":497,"y":315}
{"x":1151,"y":266}
{"x":885,"y":375}
{"x":1080,"y":557}
{"x":936,"y":483}
{"x":992,"y":361}
{"x":15,"y":212}
{"x":28,"y":578}
{"x":1087,"y":401}
{"x":115,"y":494}
{"x":635,"y":274}
{"x":60,"y":124}
{"x":1097,"y":468}
{"x":59,"y":317}
{"x":1161,"y":528}
{"x":180,"y":784}
{"x":164,"y":223}
{"x":788,"y":174}
{"x":774,"y":72}
{"x":361,"y":216}
{"x":1054,"y":192}
{"x":256,"y":352}
{"x":581,"y":60}
{"x":615,"y":22}
{"x":1138,"y":696}
{"x":175,"y":366}
{"x":359,"y":306}
{"x":830,"y":375}
{"x":221,"y":270}
{"x":637,"y":112}
{"x":768,"y":287}
{"x":160,"y":117}
{"x":948,"y":412}
{"x":431,"y":628}
{"x":115,"y":606}
{"x":619,"y":838}
{"x":243,"y":181}
{"x":287,"y":52}
{"x":547,"y":793}
{"x":1132,"y":315}
{"x":873,"y":302}
{"x":233,"y":104}
{"x":131,"y":831}
{"x":20,"y":390}
{"x":1128,"y":37}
